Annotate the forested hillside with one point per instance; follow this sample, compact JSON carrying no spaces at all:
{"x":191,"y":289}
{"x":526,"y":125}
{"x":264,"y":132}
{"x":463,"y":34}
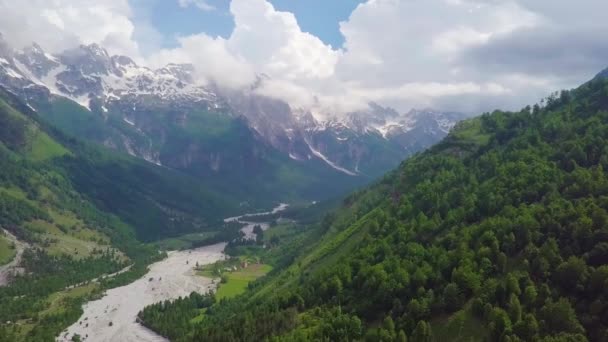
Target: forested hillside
{"x":157,"y":201}
{"x":499,"y":233}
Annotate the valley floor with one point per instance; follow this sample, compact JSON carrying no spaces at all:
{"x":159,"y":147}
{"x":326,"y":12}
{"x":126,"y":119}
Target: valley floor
{"x":113,"y":317}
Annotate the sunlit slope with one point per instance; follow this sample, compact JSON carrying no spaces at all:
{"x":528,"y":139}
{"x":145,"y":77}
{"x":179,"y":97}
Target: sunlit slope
{"x":499,"y":232}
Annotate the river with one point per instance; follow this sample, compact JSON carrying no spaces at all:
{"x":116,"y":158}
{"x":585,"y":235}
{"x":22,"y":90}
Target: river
{"x":248,"y":228}
{"x":113,"y":317}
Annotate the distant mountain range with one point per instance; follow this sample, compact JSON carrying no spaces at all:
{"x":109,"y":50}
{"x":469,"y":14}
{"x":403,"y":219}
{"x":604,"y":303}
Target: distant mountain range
{"x":167,"y":117}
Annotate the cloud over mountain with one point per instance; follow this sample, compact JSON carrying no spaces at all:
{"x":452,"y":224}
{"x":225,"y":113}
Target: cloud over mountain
{"x":468,"y":55}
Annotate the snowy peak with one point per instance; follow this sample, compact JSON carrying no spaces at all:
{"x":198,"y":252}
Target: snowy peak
{"x":37,"y":61}
{"x":87,"y":59}
{"x":88,"y":72}
{"x":444,"y":121}
{"x":385,"y":121}
{"x":182,"y":72}
{"x":367,"y":142}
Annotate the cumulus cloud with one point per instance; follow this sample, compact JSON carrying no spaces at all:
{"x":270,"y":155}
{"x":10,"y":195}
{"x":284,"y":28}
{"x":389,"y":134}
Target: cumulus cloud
{"x":264,"y":42}
{"x":214,"y":61}
{"x":60,"y":24}
{"x":469,"y":55}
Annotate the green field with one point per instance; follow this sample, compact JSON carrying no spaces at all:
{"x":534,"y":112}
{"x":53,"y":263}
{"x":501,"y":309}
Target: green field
{"x":68,"y":235}
{"x":44,"y":148}
{"x":7,"y":253}
{"x":238,"y":280}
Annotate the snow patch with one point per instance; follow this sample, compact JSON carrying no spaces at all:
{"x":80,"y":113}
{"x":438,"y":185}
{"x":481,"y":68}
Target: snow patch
{"x":12,"y":73}
{"x":83,"y":100}
{"x":329,"y":162}
{"x":51,"y":57}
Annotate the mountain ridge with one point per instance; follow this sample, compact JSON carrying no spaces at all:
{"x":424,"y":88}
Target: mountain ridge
{"x":116,"y":87}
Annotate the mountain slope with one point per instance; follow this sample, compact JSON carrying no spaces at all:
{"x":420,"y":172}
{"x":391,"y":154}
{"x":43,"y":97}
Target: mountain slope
{"x":157,"y":201}
{"x":62,"y":238}
{"x":167,"y":117}
{"x":497,"y":233}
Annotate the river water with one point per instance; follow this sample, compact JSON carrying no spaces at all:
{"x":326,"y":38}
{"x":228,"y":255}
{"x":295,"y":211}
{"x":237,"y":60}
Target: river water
{"x":113,"y":317}
{"x":248,"y":228}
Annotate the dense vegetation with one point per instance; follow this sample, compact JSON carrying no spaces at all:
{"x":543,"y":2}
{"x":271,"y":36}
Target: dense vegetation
{"x":156,"y":201}
{"x":172,"y":318}
{"x":498,"y":233}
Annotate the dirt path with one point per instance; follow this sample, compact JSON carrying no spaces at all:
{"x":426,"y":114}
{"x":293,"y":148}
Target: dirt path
{"x":95,"y":280}
{"x":8,"y":270}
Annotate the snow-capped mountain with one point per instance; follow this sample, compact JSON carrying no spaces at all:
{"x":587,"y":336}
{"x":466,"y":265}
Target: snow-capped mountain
{"x":140,"y":110}
{"x":88,"y":73}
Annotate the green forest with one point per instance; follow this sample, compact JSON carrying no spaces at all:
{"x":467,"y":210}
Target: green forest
{"x":498,"y":233}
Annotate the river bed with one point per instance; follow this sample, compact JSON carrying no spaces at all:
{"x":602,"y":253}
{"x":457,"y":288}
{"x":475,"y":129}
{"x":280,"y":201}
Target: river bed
{"x":113,"y":317}
{"x":248,"y":228}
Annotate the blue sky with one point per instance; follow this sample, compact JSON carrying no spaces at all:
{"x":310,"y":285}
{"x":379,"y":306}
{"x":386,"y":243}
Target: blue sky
{"x":319,"y":17}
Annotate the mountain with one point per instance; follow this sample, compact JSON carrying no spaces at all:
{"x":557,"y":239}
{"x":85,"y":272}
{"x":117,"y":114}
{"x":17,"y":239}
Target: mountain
{"x":165,"y":116}
{"x":375,"y":141}
{"x":497,"y":233}
{"x":156,"y":201}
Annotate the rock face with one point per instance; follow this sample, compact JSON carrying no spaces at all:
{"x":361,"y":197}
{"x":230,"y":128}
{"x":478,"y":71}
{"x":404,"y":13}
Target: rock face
{"x":166,"y":117}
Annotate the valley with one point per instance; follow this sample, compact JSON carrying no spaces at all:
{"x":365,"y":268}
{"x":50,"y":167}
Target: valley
{"x":114,"y":316}
{"x":294,"y":171}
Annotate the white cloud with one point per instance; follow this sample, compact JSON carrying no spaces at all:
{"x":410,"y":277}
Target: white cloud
{"x":402,"y":53}
{"x":213,"y":59}
{"x":405,"y":53}
{"x":201,"y":4}
{"x":264,"y":41}
{"x":468,"y":55}
{"x":60,"y":24}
